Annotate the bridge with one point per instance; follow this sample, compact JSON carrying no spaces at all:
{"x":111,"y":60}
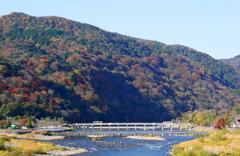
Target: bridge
{"x":132,"y":126}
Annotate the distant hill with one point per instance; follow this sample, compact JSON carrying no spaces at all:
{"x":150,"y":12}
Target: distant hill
{"x":235,"y":61}
{"x":52,"y":66}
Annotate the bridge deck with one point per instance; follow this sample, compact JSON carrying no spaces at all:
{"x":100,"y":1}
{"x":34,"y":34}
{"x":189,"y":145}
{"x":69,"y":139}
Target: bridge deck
{"x":135,"y":125}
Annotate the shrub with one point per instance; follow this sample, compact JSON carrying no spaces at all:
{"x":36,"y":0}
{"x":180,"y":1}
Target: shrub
{"x":63,"y":149}
{"x":218,"y":137}
{"x":16,"y":152}
{"x":39,"y":151}
{"x":2,"y":146}
{"x":28,"y":153}
{"x":177,"y":150}
{"x":224,"y":131}
{"x":201,"y":140}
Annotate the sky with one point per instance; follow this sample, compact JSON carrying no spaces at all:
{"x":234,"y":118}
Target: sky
{"x":209,"y":26}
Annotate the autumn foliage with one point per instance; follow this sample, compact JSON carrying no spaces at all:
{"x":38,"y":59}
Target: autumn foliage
{"x":219,"y":123}
{"x":51,"y":66}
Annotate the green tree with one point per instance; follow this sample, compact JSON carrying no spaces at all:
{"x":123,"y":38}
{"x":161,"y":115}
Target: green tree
{"x":8,"y":124}
{"x":61,"y":120}
{"x":29,"y":123}
{"x":229,"y":120}
{"x":2,"y":117}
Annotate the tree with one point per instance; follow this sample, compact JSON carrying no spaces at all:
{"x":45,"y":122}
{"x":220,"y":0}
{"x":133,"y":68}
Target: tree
{"x":29,"y":123}
{"x":2,"y":117}
{"x":229,"y":120}
{"x":8,"y":124}
{"x":219,"y":123}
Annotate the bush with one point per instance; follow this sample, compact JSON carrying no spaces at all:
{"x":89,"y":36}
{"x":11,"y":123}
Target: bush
{"x":39,"y":151}
{"x":224,"y":131}
{"x":63,"y":149}
{"x":201,"y":140}
{"x":177,"y":150}
{"x":218,"y":137}
{"x":28,"y":153}
{"x":2,"y":146}
{"x":15,"y":152}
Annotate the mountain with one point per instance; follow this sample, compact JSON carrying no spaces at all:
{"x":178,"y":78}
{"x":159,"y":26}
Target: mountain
{"x":52,"y":66}
{"x":235,"y":61}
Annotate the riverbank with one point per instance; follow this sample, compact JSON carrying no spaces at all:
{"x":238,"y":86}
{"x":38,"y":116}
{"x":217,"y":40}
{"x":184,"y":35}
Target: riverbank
{"x":220,"y":143}
{"x":63,"y":151}
{"x":26,"y":143}
{"x":204,"y":129}
{"x":28,"y":135}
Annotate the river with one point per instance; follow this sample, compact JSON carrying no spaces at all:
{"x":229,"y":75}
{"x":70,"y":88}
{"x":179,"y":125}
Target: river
{"x":120,"y":146}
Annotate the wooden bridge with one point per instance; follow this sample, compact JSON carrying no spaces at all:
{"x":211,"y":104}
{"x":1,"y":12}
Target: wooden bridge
{"x":132,"y":126}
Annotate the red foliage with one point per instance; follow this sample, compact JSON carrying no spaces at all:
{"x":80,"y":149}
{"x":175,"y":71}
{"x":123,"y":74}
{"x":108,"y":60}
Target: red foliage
{"x":2,"y":123}
{"x":219,"y":123}
{"x":237,"y":100}
{"x":23,"y":121}
{"x":139,"y":85}
{"x":33,"y":98}
{"x":69,"y":82}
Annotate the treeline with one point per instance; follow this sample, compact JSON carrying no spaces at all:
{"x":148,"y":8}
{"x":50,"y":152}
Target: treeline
{"x":208,"y":117}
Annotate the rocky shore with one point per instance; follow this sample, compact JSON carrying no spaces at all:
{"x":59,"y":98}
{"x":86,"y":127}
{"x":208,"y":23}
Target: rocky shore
{"x":68,"y":151}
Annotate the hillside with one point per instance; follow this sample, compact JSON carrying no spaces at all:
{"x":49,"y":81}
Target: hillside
{"x":235,"y":61}
{"x":51,"y":66}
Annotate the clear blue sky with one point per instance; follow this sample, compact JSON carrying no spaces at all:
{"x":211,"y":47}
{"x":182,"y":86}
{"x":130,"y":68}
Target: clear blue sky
{"x":209,"y":26}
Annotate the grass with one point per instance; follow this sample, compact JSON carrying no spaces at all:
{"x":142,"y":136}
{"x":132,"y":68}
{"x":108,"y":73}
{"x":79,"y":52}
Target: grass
{"x":180,"y":151}
{"x":150,"y":135}
{"x":2,"y":146}
{"x":63,"y":149}
{"x":23,"y":147}
{"x":222,"y":143}
{"x":96,"y":139}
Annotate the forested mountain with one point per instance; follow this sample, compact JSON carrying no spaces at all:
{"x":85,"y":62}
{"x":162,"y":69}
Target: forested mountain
{"x":235,"y":61}
{"x":51,"y":66}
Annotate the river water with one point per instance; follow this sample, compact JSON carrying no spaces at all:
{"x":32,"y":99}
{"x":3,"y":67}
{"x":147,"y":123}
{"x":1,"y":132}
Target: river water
{"x":120,"y":146}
